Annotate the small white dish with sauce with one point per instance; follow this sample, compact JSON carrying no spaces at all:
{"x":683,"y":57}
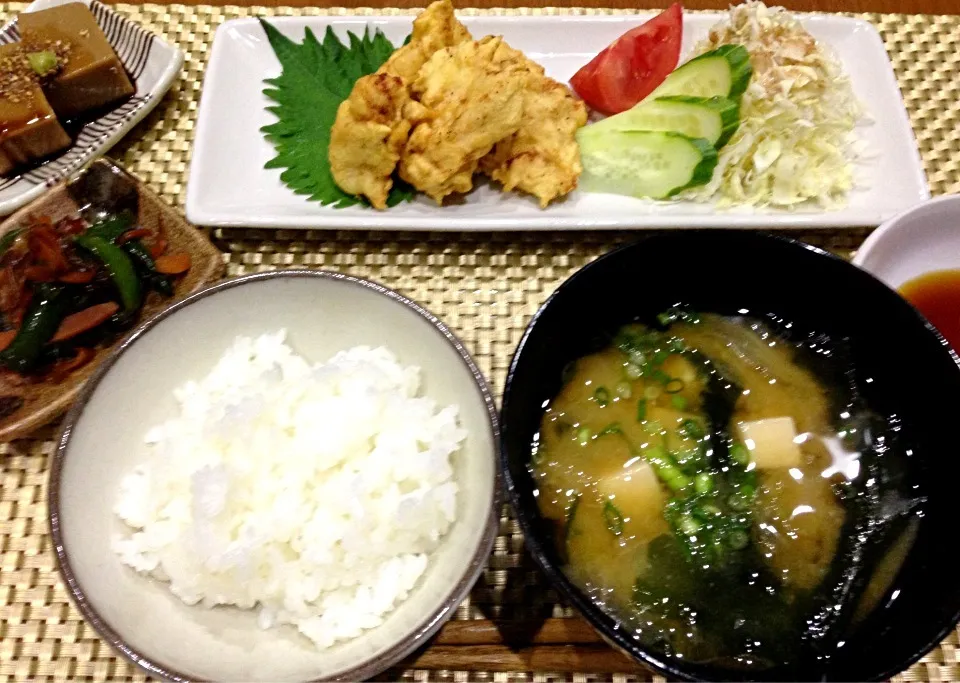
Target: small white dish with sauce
{"x":923,"y":239}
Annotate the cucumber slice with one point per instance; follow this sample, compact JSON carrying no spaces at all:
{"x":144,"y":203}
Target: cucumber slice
{"x":724,"y":72}
{"x":724,"y":108}
{"x":656,"y":164}
{"x":714,"y":119}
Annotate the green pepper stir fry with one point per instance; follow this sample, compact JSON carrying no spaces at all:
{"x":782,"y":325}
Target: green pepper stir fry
{"x":68,"y":285}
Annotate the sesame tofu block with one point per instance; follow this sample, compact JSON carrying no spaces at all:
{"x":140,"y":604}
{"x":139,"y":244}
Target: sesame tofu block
{"x":29,"y":129}
{"x":90,"y":75}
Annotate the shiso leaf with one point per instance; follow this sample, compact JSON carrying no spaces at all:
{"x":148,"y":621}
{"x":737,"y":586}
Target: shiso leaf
{"x":316,"y":77}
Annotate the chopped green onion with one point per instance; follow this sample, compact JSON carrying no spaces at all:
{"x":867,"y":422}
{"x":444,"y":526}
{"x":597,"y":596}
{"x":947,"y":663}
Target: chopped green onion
{"x":738,"y":539}
{"x":651,"y":392}
{"x":739,"y":454}
{"x":747,"y":490}
{"x":674,"y":386}
{"x":42,"y":62}
{"x":641,"y":410}
{"x":678,"y":402}
{"x":624,"y":390}
{"x":661,"y":377}
{"x":602,"y":396}
{"x":691,"y":430}
{"x":667,"y":317}
{"x":634,"y":371}
{"x":738,"y":501}
{"x":613,"y":518}
{"x":584,"y":435}
{"x":612,"y":428}
{"x":660,"y":356}
{"x":708,"y":510}
{"x":688,"y":525}
{"x":687,"y":457}
{"x":667,"y":470}
{"x":638,"y":358}
{"x":703,"y":483}
{"x":653,"y":427}
{"x":677,"y":481}
{"x":537,"y":458}
{"x":655,"y":455}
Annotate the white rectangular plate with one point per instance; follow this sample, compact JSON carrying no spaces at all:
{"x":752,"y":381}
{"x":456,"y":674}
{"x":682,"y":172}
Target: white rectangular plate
{"x":228,"y":184}
{"x":152,"y":65}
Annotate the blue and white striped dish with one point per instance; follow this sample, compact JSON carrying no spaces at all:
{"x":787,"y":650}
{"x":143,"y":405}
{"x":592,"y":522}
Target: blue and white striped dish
{"x":152,"y":64}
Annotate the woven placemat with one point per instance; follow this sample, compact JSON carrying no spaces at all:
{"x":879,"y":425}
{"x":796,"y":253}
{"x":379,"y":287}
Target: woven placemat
{"x":485,"y":286}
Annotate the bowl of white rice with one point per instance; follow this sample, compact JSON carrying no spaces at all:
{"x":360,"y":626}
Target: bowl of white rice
{"x":288,"y":476}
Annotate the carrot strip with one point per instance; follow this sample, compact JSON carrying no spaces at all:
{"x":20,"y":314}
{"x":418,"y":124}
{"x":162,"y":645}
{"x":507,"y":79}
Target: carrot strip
{"x":11,"y":287}
{"x":85,"y":320}
{"x":40,"y":273}
{"x":62,"y":368}
{"x":16,"y":315}
{"x":137,"y":234}
{"x":173,"y":264}
{"x":72,"y":325}
{"x":78,"y":277}
{"x":6,"y":337}
{"x":158,"y":247}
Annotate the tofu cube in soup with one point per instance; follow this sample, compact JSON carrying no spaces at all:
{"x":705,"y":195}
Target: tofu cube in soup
{"x":90,"y":74}
{"x":635,"y":494}
{"x":29,"y":129}
{"x":772,"y":442}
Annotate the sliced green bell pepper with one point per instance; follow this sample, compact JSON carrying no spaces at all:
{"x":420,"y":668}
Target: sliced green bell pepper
{"x":119,"y":266}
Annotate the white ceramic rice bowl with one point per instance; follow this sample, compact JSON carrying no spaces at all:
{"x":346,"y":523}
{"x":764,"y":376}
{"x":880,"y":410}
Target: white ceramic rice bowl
{"x":133,"y":390}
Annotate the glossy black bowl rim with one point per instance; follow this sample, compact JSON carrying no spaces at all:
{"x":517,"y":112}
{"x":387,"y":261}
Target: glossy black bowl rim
{"x":536,"y":546}
{"x":425,"y":627}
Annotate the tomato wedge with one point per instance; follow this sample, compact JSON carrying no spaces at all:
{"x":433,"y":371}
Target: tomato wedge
{"x":633,"y":65}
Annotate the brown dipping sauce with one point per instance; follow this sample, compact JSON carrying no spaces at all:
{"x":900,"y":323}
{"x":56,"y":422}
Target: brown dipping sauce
{"x":937,"y":296}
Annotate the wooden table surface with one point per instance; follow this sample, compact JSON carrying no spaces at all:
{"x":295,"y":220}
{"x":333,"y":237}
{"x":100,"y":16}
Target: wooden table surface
{"x":898,"y":6}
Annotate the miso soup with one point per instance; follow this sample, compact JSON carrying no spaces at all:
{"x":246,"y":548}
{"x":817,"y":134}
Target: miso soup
{"x":708,"y":490}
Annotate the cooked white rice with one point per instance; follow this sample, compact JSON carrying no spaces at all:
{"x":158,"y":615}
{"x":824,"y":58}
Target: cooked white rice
{"x":314,"y":494}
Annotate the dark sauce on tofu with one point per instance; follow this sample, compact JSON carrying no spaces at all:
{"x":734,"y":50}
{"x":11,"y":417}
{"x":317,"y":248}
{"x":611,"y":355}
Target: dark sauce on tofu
{"x":937,"y":296}
{"x":715,"y":494}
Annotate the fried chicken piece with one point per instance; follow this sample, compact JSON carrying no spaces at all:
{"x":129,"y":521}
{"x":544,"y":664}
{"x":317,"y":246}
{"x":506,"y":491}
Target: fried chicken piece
{"x":473,"y":99}
{"x":371,"y":125}
{"x":368,"y":135}
{"x":434,"y":29}
{"x":542,"y":158}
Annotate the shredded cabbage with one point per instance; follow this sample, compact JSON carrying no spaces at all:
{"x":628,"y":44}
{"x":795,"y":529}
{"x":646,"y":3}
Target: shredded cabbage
{"x":795,"y":141}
